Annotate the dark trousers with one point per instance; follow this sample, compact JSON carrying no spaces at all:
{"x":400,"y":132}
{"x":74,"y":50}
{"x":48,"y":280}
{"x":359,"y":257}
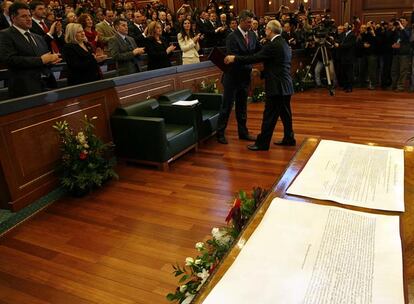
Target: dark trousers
{"x":386,"y":70}
{"x":275,"y":106}
{"x":348,"y":75}
{"x":234,"y":92}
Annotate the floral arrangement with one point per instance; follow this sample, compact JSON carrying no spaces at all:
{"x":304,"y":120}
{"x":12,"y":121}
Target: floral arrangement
{"x":258,"y":95}
{"x":84,"y":163}
{"x":209,"y":86}
{"x":196,"y":270}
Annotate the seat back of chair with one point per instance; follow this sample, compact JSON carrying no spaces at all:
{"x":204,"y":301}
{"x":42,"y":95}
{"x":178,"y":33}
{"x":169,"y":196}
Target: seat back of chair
{"x":176,"y":95}
{"x":147,"y":108}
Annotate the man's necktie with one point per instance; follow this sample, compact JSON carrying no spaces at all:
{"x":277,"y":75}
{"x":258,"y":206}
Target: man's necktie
{"x":31,"y":39}
{"x":128,"y":43}
{"x":44,"y":27}
{"x":246,"y":39}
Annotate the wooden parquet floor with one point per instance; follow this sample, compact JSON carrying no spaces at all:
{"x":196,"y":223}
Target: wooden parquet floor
{"x":117,"y":245}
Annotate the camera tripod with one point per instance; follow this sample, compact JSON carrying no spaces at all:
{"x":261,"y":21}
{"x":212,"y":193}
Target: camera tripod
{"x":325,"y":60}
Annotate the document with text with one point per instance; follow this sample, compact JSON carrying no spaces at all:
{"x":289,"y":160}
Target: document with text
{"x":307,"y":253}
{"x":353,"y":174}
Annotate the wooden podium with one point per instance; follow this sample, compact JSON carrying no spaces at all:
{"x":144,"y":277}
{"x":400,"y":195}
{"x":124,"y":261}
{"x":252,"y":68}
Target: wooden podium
{"x":279,"y":188}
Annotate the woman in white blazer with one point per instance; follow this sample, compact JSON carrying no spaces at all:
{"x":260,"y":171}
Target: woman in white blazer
{"x":188,"y":43}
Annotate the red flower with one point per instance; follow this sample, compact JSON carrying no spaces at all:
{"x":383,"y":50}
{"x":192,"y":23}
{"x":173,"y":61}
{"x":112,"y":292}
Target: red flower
{"x":83,"y":155}
{"x":236,"y":205}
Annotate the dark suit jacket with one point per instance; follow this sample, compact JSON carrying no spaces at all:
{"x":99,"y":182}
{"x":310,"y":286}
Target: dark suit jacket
{"x":135,"y":33}
{"x":347,"y":48}
{"x":157,"y":54}
{"x":26,"y":69}
{"x":121,"y":52}
{"x":82,"y":66}
{"x":3,"y":22}
{"x":276,"y":57}
{"x":236,"y":45}
{"x":60,"y":41}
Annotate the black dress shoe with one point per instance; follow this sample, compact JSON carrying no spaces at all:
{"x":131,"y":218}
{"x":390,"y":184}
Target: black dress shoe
{"x":285,"y":142}
{"x":248,"y":137}
{"x":254,"y":147}
{"x":222,"y":140}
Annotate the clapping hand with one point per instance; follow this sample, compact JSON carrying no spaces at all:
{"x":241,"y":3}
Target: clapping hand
{"x":229,"y":59}
{"x":171,"y":48}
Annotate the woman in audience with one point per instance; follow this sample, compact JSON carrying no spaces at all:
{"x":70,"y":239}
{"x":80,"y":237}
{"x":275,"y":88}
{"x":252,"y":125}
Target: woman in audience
{"x":189,"y":43}
{"x":82,"y":63}
{"x":91,"y":34}
{"x":170,"y":22}
{"x":157,"y":50}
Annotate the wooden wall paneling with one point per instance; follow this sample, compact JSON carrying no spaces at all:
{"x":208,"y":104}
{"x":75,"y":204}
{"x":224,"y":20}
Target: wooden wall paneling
{"x":193,"y":80}
{"x":4,"y":191}
{"x":385,"y":4}
{"x":378,"y":16}
{"x":30,"y":168}
{"x":147,"y":89}
{"x":336,"y":8}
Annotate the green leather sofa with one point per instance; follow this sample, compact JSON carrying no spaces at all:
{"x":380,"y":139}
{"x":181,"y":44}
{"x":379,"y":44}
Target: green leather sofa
{"x":208,"y":113}
{"x":148,"y":132}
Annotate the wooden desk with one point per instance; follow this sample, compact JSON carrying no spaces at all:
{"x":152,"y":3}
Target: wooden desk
{"x":279,"y":190}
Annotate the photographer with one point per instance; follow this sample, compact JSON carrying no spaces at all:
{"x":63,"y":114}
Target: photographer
{"x":384,"y":52}
{"x":401,"y":59}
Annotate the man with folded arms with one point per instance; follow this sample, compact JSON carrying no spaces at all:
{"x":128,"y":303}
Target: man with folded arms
{"x":276,"y":57}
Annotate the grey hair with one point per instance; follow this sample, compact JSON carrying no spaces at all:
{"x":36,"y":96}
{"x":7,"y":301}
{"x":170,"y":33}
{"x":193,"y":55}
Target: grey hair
{"x":245,"y":14}
{"x":274,"y":26}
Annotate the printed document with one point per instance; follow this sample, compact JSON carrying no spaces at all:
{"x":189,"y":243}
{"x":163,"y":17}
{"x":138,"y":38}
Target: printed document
{"x":353,"y":174}
{"x":306,"y":253}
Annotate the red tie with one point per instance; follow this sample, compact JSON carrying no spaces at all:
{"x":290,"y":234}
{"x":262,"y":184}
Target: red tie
{"x":246,"y":38}
{"x":44,"y":27}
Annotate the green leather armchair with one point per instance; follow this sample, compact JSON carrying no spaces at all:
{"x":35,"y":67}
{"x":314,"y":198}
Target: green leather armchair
{"x":148,"y":132}
{"x":208,"y":110}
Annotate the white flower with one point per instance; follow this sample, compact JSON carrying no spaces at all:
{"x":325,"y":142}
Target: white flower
{"x":197,"y":262}
{"x":199,"y":246}
{"x":221,"y":236}
{"x":81,"y":138}
{"x":183,"y":288}
{"x":189,"y":261}
{"x":86,"y":146}
{"x":188,"y":299}
{"x":203,"y":274}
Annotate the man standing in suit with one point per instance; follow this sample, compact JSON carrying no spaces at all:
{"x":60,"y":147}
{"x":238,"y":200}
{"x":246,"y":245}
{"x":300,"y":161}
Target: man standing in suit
{"x":236,"y":79}
{"x":276,"y":57}
{"x":5,"y":21}
{"x":347,"y":57}
{"x":25,"y":55}
{"x":105,"y":28}
{"x":54,"y":36}
{"x":124,"y":50}
{"x":136,"y":29}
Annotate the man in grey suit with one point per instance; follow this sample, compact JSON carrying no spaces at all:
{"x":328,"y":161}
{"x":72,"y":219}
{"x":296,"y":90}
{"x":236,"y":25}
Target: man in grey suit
{"x":276,"y":57}
{"x":26,"y":55}
{"x":124,"y":50}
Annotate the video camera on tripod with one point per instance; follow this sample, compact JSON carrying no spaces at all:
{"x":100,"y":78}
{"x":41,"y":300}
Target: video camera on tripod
{"x":322,"y":39}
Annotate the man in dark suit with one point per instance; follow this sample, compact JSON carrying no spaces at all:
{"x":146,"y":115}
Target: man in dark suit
{"x":346,"y":48}
{"x":123,"y":49}
{"x":136,"y":29}
{"x":54,"y":35}
{"x":276,"y":57}
{"x":5,"y":21}
{"x":25,"y":55}
{"x":236,"y":79}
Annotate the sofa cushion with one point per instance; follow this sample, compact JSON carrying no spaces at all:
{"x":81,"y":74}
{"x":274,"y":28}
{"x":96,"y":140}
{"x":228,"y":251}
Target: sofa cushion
{"x":179,"y":137}
{"x":147,"y":108}
{"x":176,"y":95}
